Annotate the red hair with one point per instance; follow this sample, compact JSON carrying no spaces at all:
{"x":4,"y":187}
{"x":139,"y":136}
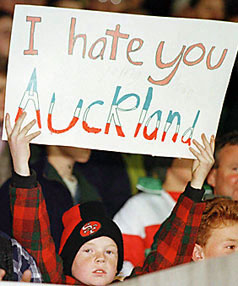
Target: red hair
{"x":219,"y":212}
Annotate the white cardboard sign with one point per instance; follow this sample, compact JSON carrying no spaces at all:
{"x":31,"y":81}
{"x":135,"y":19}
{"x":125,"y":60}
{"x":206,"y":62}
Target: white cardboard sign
{"x":120,"y":82}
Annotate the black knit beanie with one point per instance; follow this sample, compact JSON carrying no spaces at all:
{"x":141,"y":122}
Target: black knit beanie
{"x":83,"y":223}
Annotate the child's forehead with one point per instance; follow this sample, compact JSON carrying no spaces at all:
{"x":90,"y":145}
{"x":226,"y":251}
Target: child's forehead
{"x":226,"y":231}
{"x":100,"y":241}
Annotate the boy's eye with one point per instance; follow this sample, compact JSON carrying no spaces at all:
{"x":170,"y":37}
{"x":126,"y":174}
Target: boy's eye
{"x":235,"y":168}
{"x":88,"y":250}
{"x":231,"y":247}
{"x":109,"y":252}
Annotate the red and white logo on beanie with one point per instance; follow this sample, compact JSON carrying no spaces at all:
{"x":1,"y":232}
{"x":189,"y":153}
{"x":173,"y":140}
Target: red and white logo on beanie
{"x":90,"y":228}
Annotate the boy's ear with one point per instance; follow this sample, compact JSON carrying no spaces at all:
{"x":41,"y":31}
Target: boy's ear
{"x":211,"y":177}
{"x":197,"y":253}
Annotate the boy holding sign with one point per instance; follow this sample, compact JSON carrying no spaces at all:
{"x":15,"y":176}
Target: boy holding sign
{"x":91,"y":250}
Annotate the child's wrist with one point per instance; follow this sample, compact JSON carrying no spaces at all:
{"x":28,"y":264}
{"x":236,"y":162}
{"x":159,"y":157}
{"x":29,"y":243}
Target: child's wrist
{"x":21,"y":169}
{"x":196,"y":183}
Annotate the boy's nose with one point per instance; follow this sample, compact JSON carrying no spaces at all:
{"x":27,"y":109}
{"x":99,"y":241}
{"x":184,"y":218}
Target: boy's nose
{"x":100,"y":258}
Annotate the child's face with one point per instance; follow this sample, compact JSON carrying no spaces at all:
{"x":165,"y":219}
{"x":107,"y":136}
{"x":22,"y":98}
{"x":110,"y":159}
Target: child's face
{"x":223,"y":241}
{"x":224,"y":178}
{"x":80,"y":155}
{"x":96,"y":262}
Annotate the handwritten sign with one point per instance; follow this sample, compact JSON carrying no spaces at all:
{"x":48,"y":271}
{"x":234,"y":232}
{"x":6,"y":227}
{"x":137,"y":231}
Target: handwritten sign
{"x":120,"y":82}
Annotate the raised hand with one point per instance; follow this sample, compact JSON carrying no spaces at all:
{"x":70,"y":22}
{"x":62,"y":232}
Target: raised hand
{"x":204,"y":162}
{"x":19,"y":143}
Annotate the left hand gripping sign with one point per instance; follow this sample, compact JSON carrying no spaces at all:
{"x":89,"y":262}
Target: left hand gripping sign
{"x":119,"y":82}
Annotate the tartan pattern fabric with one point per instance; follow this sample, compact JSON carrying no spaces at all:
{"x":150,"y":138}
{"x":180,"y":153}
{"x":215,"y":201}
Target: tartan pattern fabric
{"x":174,"y":242}
{"x":31,"y":229}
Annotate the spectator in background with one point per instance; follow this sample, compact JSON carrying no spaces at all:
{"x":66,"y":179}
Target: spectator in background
{"x":107,"y":171}
{"x":224,"y":175}
{"x":116,"y":175}
{"x":140,"y":217}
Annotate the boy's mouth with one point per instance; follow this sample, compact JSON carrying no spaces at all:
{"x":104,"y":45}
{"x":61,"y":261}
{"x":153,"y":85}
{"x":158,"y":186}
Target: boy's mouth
{"x":99,"y":271}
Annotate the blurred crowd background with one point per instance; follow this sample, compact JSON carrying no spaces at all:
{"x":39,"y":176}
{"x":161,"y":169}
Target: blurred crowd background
{"x":124,"y":169}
